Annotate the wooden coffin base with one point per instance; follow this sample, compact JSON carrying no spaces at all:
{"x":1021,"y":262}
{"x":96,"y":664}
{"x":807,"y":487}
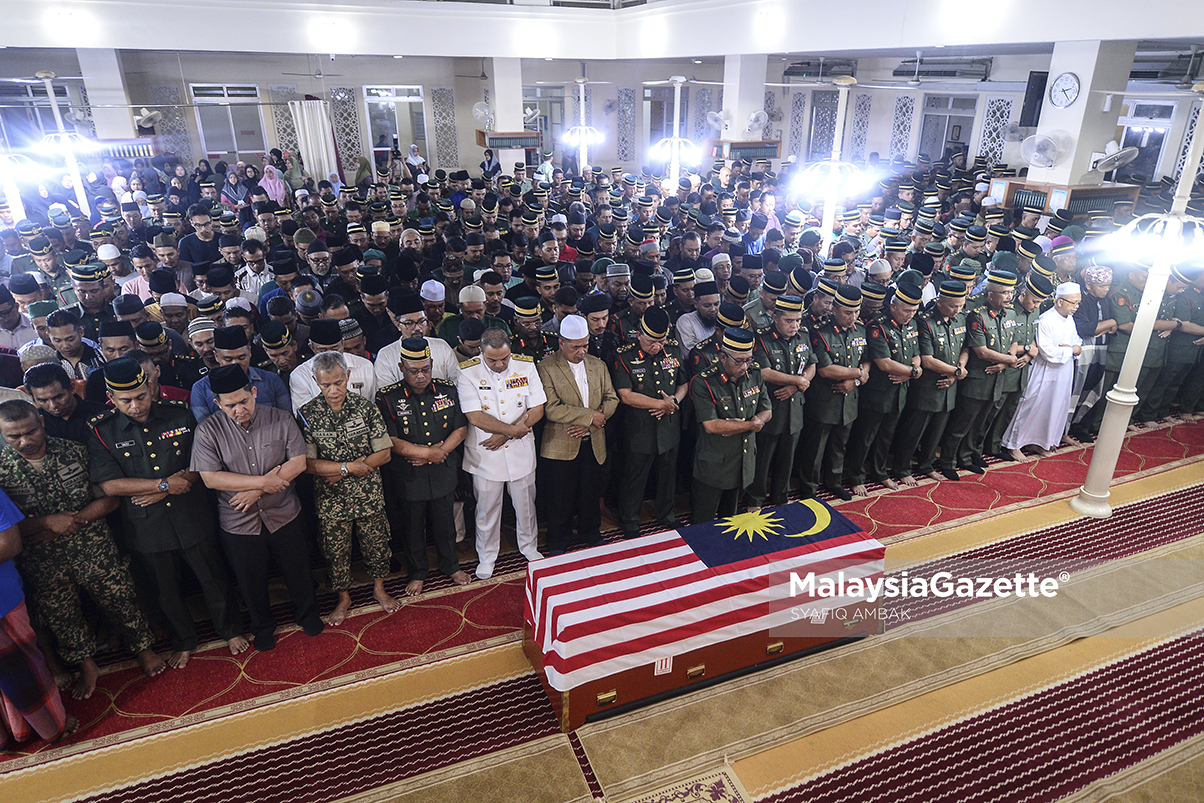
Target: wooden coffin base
{"x":697,"y":669}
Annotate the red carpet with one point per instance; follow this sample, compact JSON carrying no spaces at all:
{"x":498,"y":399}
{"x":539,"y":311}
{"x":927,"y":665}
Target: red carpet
{"x":127,"y":705}
{"x":1040,"y":748}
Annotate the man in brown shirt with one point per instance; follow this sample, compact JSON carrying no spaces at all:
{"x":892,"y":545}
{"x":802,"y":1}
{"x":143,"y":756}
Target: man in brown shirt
{"x":250,"y":455}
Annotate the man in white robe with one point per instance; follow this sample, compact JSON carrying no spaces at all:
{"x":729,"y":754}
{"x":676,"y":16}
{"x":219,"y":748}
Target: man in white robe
{"x":1041,"y":416}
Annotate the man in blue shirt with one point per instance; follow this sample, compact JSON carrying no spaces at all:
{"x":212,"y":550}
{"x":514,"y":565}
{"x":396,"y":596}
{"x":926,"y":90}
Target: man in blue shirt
{"x":232,"y":348}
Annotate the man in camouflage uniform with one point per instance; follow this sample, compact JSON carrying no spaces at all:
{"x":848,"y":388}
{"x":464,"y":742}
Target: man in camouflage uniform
{"x":783,"y":353}
{"x":842,"y":367}
{"x":427,"y":426}
{"x":894,"y":353}
{"x":67,"y":543}
{"x":732,"y":404}
{"x":650,"y":379}
{"x":346,"y":443}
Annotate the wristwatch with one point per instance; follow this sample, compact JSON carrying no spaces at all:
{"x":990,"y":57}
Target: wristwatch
{"x":958,"y":372}
{"x":164,"y":486}
{"x":914,"y":372}
{"x":343,"y":470}
{"x":857,"y":382}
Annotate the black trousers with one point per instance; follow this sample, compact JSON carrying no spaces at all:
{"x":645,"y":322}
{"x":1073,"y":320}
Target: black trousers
{"x":710,"y":502}
{"x":572,"y":490}
{"x":252,"y":556}
{"x":439,"y":515}
{"x":775,"y":461}
{"x":205,"y":561}
{"x":637,"y":467}
{"x":918,"y":435}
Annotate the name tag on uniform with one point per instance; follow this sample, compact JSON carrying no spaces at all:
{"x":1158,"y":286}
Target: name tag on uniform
{"x":356,"y":426}
{"x":441,"y":403}
{"x":171,"y":433}
{"x":516,"y":382}
{"x":123,"y":445}
{"x":403,"y":408}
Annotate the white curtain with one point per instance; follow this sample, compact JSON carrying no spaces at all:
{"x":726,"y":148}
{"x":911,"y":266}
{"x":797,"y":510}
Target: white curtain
{"x":315,"y":137}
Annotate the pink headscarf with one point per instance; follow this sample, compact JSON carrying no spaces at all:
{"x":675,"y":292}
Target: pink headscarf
{"x":273,"y":185}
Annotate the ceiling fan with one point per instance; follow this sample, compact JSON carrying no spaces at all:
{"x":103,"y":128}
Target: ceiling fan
{"x":679,"y":79}
{"x":316,"y":74}
{"x":41,"y":76}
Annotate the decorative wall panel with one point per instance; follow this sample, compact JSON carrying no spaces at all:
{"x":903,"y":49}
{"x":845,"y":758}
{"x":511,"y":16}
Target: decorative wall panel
{"x":900,"y":130}
{"x":173,"y":128}
{"x":443,"y":109}
{"x":282,"y":118}
{"x":625,"y":126}
{"x":345,"y":117}
{"x":798,"y":122}
{"x":860,"y":126}
{"x":995,"y":122}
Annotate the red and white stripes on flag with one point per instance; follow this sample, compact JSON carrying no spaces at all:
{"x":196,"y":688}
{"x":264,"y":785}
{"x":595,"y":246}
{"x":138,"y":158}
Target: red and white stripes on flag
{"x":597,"y":612}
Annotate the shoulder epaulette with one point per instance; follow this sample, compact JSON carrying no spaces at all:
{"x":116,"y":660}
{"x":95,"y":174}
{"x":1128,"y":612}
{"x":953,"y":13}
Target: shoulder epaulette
{"x":625,"y":347}
{"x":96,"y":419}
{"x":470,"y":363}
{"x":710,"y":370}
{"x":672,"y":342}
{"x":175,"y":403}
{"x":438,"y":382}
{"x":522,"y":357}
{"x":397,"y":384}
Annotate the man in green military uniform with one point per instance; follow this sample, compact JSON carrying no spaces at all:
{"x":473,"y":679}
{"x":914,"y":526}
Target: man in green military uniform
{"x":706,"y":352}
{"x":93,"y":308}
{"x":783,"y":353}
{"x":683,"y":294}
{"x":1191,"y":304}
{"x":626,"y":322}
{"x":760,"y":310}
{"x":842,"y":367}
{"x":1123,"y":302}
{"x":346,"y":443}
{"x":426,"y":425}
{"x":1182,"y":353}
{"x":140,"y":451}
{"x":1013,"y":381}
{"x":528,"y":339}
{"x":894,"y":353}
{"x":68,"y":544}
{"x":650,"y":379}
{"x":980,"y":395}
{"x":930,"y":401}
{"x":731,"y":403}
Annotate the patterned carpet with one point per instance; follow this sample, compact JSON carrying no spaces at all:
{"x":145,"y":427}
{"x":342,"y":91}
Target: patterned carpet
{"x":444,"y":732}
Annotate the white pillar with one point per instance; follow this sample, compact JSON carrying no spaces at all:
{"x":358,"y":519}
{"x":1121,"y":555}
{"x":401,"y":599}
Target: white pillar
{"x":506,"y":101}
{"x":743,"y":93}
{"x":101,"y":69}
{"x":1083,"y":126}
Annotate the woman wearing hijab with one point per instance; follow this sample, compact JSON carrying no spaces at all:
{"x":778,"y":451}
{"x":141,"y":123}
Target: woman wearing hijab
{"x":294,"y":175}
{"x":415,"y":164}
{"x":152,"y":181}
{"x":277,"y":160}
{"x":252,"y":177}
{"x":363,"y":171}
{"x":491,"y":166}
{"x":336,"y":183}
{"x":274,"y":186}
{"x":234,"y":192}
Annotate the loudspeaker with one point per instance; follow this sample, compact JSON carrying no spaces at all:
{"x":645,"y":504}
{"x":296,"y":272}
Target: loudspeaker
{"x":1034,"y":94}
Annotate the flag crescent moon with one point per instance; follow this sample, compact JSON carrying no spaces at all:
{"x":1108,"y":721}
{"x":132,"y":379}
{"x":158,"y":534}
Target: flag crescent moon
{"x":822,"y":518}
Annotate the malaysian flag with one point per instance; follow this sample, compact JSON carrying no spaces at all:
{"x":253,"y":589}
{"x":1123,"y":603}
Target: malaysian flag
{"x":601,"y":611}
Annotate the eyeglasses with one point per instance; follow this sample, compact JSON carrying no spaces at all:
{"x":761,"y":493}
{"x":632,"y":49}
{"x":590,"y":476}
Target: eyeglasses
{"x":256,"y":261}
{"x":206,"y":225}
{"x":740,"y":361}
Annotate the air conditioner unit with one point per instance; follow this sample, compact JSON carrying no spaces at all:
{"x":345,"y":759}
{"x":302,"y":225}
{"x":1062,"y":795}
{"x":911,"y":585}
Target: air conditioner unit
{"x":935,"y":69}
{"x":815,"y":69}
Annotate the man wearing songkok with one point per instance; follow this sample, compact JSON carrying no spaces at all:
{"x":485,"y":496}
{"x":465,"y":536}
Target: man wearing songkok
{"x":1041,"y":417}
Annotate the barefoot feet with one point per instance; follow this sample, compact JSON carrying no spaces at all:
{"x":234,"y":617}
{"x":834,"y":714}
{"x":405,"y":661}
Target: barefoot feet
{"x":238,"y":644}
{"x":179,"y":659}
{"x":88,"y":673}
{"x":413,"y":588}
{"x":339,"y":613}
{"x":389,"y":603}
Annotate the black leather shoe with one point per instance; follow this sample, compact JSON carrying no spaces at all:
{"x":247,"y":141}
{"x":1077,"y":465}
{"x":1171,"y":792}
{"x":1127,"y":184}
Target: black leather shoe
{"x":950,"y":474}
{"x":839,"y":492}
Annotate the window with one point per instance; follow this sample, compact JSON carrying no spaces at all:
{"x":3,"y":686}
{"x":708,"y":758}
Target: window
{"x":26,"y":116}
{"x":395,"y":118}
{"x":947,"y":125}
{"x":230,"y":120}
{"x":1146,"y":125}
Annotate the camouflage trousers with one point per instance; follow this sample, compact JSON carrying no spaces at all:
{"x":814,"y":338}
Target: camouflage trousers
{"x":373,"y":532}
{"x":86,"y":559}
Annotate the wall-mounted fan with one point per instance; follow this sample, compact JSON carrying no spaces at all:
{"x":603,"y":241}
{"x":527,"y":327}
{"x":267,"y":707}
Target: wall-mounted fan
{"x":147,"y":119}
{"x":483,"y":114}
{"x":756,"y":120}
{"x":720,"y":120}
{"x":1041,"y":150}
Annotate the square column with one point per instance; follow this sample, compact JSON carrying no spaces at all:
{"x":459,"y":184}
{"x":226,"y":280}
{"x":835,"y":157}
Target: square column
{"x":101,"y":69}
{"x":506,"y":101}
{"x":743,"y":93}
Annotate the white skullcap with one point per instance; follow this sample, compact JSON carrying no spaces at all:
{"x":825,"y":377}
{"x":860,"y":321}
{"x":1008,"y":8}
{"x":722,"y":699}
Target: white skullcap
{"x":433,"y":291}
{"x":237,"y":302}
{"x":703,"y":275}
{"x":982,"y":187}
{"x":108,"y":251}
{"x":380,"y":225}
{"x":720,"y":258}
{"x":300,"y":192}
{"x":471,"y":294}
{"x":468,"y":205}
{"x":172,"y":300}
{"x":256,"y":233}
{"x":574,"y":327}
{"x":1043,"y":241}
{"x":559,"y":218}
{"x":422,"y":178}
{"x":990,"y":200}
{"x":1068,"y":289}
{"x":878,"y":266}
